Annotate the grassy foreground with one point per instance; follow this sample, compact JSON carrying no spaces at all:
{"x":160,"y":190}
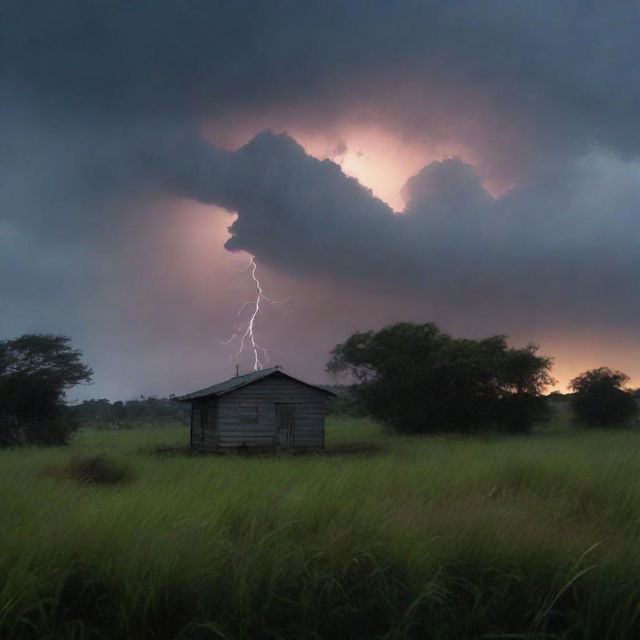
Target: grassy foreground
{"x":429,"y":538}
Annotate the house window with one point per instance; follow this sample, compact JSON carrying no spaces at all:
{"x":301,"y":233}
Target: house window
{"x":248,"y":414}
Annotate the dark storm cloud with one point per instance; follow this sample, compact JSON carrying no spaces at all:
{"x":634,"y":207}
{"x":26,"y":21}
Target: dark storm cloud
{"x":565,"y":69}
{"x":525,"y":83}
{"x":565,"y":247}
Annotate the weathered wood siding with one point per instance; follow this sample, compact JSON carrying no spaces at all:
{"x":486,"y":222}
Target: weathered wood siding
{"x":248,"y":416}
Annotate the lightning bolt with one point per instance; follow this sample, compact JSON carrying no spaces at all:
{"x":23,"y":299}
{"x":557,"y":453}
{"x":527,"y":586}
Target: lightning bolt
{"x":245,"y":334}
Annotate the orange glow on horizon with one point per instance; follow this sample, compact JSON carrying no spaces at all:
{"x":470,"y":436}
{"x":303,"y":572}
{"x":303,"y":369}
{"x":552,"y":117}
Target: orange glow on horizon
{"x":578,"y":352}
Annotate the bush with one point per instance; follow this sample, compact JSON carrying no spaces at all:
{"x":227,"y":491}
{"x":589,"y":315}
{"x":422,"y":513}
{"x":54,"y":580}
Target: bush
{"x":600,"y":399}
{"x":100,"y":469}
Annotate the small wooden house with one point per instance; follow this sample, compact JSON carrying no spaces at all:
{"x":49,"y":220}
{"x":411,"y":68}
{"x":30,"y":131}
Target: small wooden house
{"x":264,"y":409}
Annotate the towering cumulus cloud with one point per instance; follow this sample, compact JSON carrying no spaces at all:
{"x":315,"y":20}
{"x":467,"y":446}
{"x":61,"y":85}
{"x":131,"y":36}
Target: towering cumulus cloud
{"x":113,"y":111}
{"x":562,"y":246}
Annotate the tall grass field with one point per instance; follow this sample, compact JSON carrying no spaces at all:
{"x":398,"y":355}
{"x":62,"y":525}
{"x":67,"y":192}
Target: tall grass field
{"x":533,"y":537}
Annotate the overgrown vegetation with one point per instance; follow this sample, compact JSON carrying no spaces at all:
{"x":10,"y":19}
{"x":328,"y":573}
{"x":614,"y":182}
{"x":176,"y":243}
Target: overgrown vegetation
{"x":384,"y":537}
{"x":98,"y":469}
{"x":431,"y":538}
{"x":416,"y":379}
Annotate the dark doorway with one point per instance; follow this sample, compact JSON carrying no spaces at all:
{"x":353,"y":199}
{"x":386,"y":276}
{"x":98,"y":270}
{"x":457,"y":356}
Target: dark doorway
{"x":286,"y":419}
{"x":198,"y":424}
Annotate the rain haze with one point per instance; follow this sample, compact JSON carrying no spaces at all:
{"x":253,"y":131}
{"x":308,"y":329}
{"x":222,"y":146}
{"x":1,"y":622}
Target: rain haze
{"x":475,"y":164}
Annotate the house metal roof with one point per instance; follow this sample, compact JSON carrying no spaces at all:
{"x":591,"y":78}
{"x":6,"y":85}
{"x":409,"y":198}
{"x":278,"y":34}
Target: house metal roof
{"x":242,"y":381}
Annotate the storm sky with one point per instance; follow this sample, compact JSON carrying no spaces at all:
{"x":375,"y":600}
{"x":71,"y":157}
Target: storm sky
{"x":473,"y":163}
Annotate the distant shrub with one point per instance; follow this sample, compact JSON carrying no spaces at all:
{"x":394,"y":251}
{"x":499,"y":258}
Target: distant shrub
{"x":100,"y":469}
{"x":600,"y":400}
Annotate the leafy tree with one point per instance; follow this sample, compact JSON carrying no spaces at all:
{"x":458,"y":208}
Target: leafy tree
{"x":599,"y":398}
{"x":35,"y":372}
{"x":414,"y":378}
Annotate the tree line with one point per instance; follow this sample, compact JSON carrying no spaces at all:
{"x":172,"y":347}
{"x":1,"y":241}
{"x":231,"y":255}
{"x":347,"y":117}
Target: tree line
{"x":414,"y":378}
{"x":411,"y":378}
{"x":149,"y":411}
